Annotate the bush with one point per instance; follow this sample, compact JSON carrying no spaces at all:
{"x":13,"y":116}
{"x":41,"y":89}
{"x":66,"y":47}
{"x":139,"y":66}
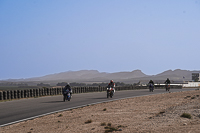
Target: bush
{"x":88,"y":121}
{"x":103,"y":124}
{"x":186,"y":115}
{"x":109,"y":124}
{"x":60,"y":115}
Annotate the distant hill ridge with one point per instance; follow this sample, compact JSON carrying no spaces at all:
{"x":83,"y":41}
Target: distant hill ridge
{"x":96,"y":76}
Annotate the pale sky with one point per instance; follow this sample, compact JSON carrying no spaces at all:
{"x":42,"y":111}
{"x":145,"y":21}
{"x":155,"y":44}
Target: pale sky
{"x":41,"y":37}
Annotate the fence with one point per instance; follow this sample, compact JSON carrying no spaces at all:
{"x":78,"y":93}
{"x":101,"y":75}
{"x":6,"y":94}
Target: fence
{"x":17,"y":94}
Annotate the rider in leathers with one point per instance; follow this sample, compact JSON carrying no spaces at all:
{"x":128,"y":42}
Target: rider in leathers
{"x":112,"y":85}
{"x":167,"y":81}
{"x":67,"y":87}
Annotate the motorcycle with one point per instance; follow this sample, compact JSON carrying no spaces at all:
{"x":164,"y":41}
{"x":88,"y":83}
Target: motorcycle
{"x":151,"y":87}
{"x":110,"y":92}
{"x":66,"y":95}
{"x":167,"y":86}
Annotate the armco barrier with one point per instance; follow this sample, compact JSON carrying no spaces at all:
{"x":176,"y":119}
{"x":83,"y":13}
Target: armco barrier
{"x":17,"y":94}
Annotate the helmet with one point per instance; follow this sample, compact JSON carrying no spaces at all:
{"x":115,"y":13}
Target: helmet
{"x":67,"y":85}
{"x":111,"y":81}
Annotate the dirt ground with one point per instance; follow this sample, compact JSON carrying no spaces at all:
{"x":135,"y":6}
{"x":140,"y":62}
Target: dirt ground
{"x":147,"y":114}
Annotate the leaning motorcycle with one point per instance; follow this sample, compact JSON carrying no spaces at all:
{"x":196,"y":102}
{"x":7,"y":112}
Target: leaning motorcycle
{"x":66,"y":95}
{"x":151,"y":87}
{"x":110,"y":92}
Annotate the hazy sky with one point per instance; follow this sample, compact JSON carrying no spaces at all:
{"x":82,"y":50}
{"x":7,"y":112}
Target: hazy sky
{"x":41,"y":37}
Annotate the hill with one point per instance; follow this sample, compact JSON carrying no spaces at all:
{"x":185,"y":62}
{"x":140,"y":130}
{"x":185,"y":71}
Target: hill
{"x":91,"y":76}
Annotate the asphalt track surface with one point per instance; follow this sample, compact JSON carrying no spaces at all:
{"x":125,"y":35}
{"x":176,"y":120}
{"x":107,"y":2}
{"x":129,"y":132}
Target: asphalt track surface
{"x":24,"y":109}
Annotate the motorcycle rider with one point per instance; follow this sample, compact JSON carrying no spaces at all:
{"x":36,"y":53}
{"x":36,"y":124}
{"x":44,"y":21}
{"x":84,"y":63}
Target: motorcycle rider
{"x":167,"y":81}
{"x":112,"y":85}
{"x":151,"y":84}
{"x":67,"y":87}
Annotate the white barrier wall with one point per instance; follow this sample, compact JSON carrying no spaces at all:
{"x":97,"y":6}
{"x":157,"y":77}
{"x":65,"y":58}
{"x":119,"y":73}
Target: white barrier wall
{"x":192,"y":84}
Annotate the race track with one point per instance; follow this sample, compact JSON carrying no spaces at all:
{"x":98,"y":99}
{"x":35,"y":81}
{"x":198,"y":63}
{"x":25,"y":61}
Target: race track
{"x":19,"y":110}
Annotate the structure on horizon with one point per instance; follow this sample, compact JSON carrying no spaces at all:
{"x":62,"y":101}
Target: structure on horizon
{"x":195,"y":77}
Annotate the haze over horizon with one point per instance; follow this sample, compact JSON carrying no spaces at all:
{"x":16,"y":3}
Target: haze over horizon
{"x":39,"y":38}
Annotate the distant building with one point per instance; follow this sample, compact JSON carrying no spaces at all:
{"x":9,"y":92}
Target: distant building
{"x":195,"y":77}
